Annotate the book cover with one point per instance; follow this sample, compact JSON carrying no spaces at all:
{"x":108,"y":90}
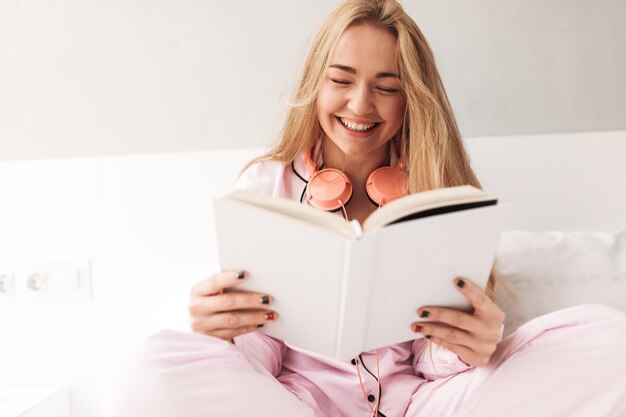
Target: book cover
{"x":340,"y":291}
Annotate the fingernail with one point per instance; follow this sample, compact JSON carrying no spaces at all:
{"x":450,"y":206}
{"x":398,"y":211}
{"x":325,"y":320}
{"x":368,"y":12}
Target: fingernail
{"x":260,"y":325}
{"x":425,"y":313}
{"x":265,"y":299}
{"x":417,"y":328}
{"x":240,"y":275}
{"x":460,"y":283}
{"x":428,"y":336}
{"x":270,"y":316}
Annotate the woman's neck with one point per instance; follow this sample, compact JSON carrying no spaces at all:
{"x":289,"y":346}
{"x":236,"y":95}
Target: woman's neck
{"x":356,"y":167}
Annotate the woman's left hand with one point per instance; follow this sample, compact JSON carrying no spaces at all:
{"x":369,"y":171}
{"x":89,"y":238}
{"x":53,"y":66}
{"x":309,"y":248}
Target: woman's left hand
{"x":474,"y":337}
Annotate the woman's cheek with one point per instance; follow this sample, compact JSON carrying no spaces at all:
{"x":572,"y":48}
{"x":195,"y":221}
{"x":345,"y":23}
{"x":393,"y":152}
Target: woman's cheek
{"x":326,"y":100}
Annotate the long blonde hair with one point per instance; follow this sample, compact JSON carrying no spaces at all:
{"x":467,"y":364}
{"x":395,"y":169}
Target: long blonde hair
{"x":429,"y":137}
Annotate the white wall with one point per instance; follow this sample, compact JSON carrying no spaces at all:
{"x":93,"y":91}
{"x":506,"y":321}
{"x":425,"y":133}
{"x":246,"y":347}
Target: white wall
{"x":89,"y":77}
{"x":145,"y":221}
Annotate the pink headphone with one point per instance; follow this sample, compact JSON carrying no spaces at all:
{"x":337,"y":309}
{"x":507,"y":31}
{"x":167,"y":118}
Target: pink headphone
{"x":330,"y":188}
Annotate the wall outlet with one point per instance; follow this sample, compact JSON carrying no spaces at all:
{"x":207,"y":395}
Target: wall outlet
{"x":7,"y":284}
{"x":55,"y":281}
{"x":37,"y":281}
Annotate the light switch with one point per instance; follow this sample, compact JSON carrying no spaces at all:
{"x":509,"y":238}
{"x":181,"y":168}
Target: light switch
{"x":64,"y":279}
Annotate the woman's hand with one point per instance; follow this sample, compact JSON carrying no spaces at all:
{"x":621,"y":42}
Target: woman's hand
{"x":474,"y":337}
{"x":216,"y":309}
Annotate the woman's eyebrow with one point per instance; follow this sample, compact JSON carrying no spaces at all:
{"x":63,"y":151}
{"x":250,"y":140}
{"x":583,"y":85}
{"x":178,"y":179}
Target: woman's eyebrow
{"x":353,"y":71}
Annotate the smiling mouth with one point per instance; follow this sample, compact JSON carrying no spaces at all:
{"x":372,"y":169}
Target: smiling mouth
{"x":356,"y":127}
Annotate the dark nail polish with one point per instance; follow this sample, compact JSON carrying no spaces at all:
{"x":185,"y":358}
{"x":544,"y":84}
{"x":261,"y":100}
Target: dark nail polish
{"x":425,"y":313}
{"x":353,"y":361}
{"x":460,"y":283}
{"x":240,"y":275}
{"x":428,"y":337}
{"x":260,"y":325}
{"x":265,"y":299}
{"x":270,"y":316}
{"x":417,"y":328}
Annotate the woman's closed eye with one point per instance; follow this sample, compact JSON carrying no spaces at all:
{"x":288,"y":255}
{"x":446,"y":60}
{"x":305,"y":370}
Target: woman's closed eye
{"x":340,"y":82}
{"x":388,"y":90}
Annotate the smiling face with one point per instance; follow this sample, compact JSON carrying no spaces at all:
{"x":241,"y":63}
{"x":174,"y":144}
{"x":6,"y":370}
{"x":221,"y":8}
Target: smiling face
{"x":360,"y":106}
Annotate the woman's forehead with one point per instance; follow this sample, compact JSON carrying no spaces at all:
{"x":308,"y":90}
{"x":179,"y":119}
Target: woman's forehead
{"x":365,"y":49}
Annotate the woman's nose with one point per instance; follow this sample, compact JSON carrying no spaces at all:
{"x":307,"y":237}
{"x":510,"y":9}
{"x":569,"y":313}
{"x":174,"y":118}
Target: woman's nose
{"x":360,"y":102}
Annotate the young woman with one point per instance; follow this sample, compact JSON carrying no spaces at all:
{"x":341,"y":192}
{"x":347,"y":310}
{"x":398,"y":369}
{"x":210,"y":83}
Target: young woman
{"x":369,"y":97}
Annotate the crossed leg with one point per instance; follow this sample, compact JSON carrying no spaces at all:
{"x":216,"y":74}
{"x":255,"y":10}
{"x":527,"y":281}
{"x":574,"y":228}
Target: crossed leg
{"x":191,"y":375}
{"x":567,"y":363}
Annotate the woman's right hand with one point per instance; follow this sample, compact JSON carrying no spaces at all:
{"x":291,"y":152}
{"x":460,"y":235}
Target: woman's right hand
{"x":217,"y":309}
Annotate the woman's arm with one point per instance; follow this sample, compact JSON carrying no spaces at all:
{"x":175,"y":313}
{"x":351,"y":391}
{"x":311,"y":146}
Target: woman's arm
{"x":263,"y":349}
{"x":434,"y":362}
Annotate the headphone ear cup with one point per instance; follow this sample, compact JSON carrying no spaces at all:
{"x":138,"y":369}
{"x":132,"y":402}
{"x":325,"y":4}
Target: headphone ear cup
{"x":329,"y":189}
{"x":387,"y":184}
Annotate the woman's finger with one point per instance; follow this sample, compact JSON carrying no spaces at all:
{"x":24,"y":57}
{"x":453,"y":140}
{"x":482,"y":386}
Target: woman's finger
{"x":482,"y":304}
{"x":229,"y":334}
{"x":216,"y":283}
{"x":227,"y":302}
{"x":451,"y":335}
{"x":233,"y":320}
{"x":451,"y":317}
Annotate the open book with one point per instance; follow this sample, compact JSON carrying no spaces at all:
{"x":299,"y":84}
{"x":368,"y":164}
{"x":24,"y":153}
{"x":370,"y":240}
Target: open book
{"x":341,"y":289}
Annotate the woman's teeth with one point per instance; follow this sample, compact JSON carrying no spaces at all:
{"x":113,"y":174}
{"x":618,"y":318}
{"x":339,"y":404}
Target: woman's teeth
{"x":357,"y":127}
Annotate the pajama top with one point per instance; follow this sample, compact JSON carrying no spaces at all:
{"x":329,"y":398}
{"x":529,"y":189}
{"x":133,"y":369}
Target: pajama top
{"x":328,"y":386}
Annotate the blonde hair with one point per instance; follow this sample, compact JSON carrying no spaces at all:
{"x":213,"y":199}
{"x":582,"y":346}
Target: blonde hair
{"x":429,"y":137}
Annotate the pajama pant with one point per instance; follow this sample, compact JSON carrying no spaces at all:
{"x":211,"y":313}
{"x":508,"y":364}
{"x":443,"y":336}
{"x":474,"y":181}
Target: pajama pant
{"x":571,"y":362}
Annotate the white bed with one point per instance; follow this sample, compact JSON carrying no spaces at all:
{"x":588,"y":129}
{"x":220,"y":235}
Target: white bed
{"x":566,"y":238}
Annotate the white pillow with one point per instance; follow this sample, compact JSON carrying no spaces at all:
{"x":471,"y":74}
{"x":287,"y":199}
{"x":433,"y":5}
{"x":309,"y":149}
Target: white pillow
{"x":547,"y":271}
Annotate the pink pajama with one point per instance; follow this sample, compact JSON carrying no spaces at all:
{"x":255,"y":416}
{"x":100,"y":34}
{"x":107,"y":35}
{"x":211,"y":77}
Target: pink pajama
{"x":566,"y":363}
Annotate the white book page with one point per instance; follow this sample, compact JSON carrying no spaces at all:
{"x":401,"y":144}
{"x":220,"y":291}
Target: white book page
{"x":425,"y":200}
{"x":296,"y":210}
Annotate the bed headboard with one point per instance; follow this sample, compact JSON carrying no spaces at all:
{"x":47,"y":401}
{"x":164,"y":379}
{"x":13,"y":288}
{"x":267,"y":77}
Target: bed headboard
{"x":572,"y":182}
